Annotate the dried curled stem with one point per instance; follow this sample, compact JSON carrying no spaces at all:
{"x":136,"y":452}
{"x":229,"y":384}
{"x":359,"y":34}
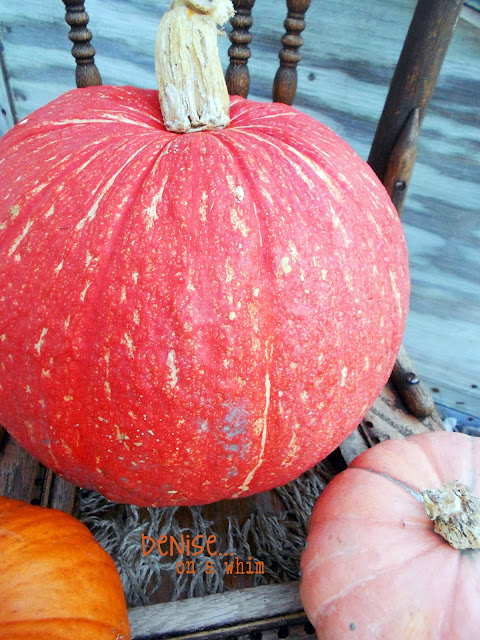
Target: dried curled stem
{"x":455,"y":512}
{"x":192,"y":90}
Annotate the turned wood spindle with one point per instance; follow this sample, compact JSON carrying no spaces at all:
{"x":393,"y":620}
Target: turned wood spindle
{"x":237,"y":75}
{"x":76,"y":17}
{"x":285,"y":83}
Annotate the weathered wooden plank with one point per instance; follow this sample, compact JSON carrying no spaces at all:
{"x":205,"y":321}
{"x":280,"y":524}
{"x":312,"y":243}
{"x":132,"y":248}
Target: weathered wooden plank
{"x":294,"y":626}
{"x":23,"y":478}
{"x":7,"y":105}
{"x":388,"y":418}
{"x":471,"y":12}
{"x":222,"y":609}
{"x":18,"y":470}
{"x":352,"y":446}
{"x":62,"y":495}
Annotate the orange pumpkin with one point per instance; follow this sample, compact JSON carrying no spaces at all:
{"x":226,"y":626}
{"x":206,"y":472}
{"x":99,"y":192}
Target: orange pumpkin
{"x":377,"y":562}
{"x":56,"y":581}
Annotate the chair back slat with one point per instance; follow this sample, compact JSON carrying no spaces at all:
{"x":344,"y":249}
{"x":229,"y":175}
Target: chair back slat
{"x":415,"y":76}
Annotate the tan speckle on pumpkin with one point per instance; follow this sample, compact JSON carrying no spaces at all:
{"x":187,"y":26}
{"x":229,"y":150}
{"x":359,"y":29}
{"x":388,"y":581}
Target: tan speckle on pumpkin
{"x":38,"y":345}
{"x":238,"y":223}
{"x":284,"y":262}
{"x":19,"y":238}
{"x":84,"y":292}
{"x":174,"y":370}
{"x":129,"y":343}
{"x":230,"y":273}
{"x":14,"y":211}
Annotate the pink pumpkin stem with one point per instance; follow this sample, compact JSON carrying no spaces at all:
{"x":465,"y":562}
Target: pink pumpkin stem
{"x":455,"y":512}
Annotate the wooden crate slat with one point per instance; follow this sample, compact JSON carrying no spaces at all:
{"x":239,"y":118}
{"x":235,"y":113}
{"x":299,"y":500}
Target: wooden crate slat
{"x":217,"y":610}
{"x":389,"y":418}
{"x":295,"y":626}
{"x":24,"y":478}
{"x":18,"y":470}
{"x":352,"y":446}
{"x":63,"y":494}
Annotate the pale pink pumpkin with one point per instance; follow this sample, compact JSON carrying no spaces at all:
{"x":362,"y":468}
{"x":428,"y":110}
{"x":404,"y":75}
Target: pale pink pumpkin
{"x":374,"y":568}
{"x":189,"y":317}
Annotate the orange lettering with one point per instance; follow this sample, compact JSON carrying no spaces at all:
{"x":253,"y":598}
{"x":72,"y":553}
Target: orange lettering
{"x":144,"y":537}
{"x":160,"y":541}
{"x":211,"y":540}
{"x":200,"y":547}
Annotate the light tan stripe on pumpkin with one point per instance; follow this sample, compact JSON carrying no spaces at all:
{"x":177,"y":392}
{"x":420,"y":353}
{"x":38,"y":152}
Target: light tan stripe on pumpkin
{"x":113,"y":119}
{"x":93,"y":211}
{"x":18,"y":240}
{"x":262,"y":423}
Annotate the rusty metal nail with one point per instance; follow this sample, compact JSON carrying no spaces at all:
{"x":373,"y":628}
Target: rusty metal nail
{"x":400,"y":185}
{"x":412,"y":378}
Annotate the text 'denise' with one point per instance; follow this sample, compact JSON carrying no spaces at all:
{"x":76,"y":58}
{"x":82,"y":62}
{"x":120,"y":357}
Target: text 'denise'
{"x":190,"y":548}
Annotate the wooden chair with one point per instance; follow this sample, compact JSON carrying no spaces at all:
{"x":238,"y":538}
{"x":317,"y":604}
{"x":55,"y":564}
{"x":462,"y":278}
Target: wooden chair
{"x":404,"y":407}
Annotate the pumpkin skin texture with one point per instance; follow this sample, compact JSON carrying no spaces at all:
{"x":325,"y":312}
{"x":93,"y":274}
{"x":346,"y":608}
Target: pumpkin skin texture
{"x":374,"y":568}
{"x":56,"y":582}
{"x":186,"y":318}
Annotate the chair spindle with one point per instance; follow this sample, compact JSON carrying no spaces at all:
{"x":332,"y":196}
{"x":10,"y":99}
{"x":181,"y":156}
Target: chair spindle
{"x":237,"y":75}
{"x":285,"y":82}
{"x":86,"y":74}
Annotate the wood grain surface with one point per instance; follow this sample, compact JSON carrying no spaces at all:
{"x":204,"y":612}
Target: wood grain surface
{"x":186,"y":616}
{"x":349,"y":53}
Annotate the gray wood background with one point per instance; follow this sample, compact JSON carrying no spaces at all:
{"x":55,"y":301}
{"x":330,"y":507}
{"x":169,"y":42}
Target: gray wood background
{"x":349,"y":53}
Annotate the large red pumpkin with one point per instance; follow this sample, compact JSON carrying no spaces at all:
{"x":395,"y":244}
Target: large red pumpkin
{"x":189,"y":317}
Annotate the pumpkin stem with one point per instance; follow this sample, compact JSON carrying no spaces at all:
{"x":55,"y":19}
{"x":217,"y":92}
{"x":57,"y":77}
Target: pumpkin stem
{"x":192,"y":90}
{"x":455,"y":512}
